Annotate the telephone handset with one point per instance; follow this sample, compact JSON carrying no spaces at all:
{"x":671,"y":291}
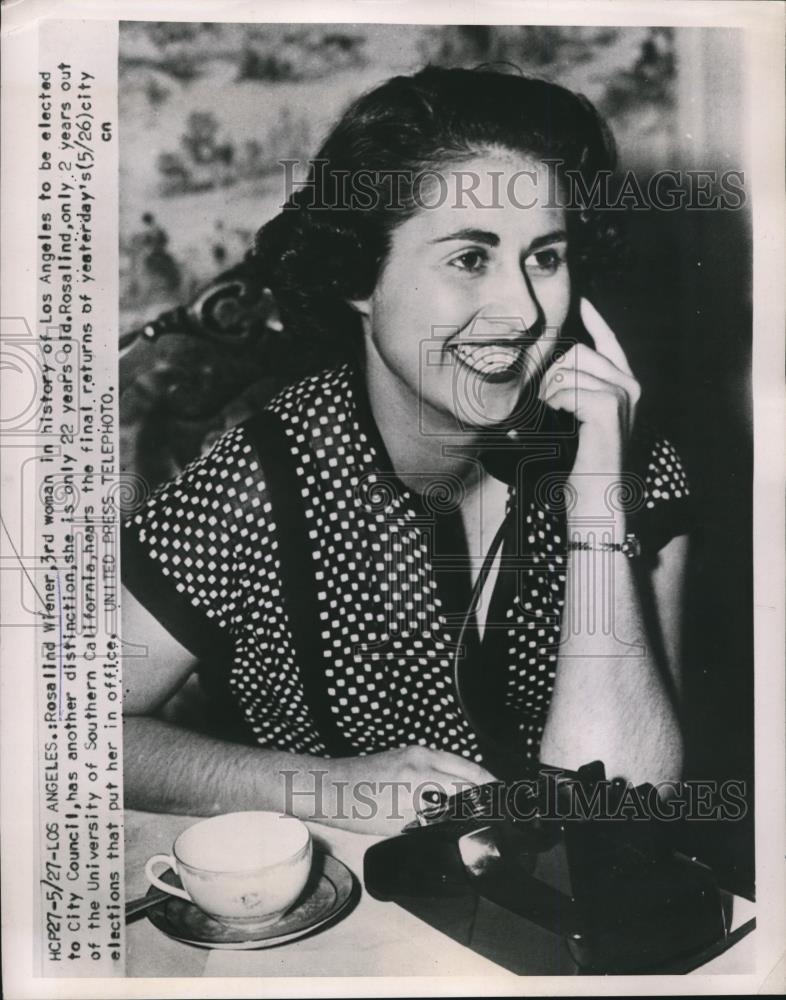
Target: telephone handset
{"x":608,"y":886}
{"x":538,"y":442}
{"x":533,"y":427}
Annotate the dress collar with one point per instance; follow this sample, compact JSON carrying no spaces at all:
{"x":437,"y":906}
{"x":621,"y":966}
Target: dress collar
{"x":544,"y":439}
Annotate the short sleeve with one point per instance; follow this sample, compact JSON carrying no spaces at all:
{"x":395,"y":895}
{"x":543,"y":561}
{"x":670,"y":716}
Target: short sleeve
{"x":665,"y":507}
{"x":179,"y":550}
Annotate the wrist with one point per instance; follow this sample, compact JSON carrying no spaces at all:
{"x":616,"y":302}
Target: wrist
{"x":594,"y":482}
{"x":594,"y":504}
{"x":600,"y":449}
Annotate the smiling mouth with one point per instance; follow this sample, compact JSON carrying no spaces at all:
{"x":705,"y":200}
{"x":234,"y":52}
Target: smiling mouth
{"x":497,"y":361}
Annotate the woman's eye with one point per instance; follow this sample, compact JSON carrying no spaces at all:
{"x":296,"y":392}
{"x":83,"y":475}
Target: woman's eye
{"x":546,"y":261}
{"x":471,"y":260}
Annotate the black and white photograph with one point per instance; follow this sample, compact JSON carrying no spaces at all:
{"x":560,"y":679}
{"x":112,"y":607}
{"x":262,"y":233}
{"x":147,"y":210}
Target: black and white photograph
{"x":442,"y":339}
{"x":403,"y":576}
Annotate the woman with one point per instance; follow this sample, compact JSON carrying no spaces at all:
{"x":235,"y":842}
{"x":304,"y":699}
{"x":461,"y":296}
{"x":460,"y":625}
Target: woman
{"x":322,"y":558}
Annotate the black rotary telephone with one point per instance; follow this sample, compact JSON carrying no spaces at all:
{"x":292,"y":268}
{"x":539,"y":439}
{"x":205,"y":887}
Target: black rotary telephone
{"x":557,"y":873}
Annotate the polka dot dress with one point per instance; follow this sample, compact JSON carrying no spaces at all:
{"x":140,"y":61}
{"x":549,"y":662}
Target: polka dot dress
{"x":665,"y":479}
{"x":204,"y":555}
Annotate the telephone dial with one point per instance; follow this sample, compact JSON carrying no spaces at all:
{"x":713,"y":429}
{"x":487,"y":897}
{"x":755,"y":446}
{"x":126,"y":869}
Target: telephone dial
{"x":517,"y":872}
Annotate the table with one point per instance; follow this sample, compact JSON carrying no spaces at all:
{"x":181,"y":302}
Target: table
{"x":375,"y":939}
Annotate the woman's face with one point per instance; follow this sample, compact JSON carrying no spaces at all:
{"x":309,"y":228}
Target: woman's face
{"x":472,"y":295}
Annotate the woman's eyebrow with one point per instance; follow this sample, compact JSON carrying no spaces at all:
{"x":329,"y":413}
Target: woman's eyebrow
{"x":493,"y":240}
{"x":558,"y":236}
{"x":472,"y":235}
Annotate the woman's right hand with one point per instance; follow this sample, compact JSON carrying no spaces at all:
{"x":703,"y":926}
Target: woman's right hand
{"x":380,"y":793}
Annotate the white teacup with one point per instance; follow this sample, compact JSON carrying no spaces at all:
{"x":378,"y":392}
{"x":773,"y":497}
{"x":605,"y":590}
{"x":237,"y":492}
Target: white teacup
{"x":245,"y":869}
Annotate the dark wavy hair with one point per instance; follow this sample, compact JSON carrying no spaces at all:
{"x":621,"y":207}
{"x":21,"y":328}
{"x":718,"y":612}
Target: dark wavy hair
{"x":324,"y":249}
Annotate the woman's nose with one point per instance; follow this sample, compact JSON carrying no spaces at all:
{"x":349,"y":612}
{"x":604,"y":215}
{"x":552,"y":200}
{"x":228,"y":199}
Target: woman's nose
{"x":510,"y":305}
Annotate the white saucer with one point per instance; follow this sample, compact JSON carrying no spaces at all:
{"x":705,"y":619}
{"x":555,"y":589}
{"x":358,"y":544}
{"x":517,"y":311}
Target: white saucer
{"x":327,"y":894}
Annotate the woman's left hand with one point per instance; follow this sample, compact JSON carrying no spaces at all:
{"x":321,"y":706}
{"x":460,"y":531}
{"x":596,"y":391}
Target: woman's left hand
{"x":600,"y":389}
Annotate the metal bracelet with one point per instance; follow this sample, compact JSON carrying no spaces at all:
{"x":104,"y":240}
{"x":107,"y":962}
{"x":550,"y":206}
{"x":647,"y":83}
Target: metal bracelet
{"x":631,"y":547}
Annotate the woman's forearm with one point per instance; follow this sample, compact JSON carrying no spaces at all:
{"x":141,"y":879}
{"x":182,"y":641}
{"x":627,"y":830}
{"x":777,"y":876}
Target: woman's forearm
{"x":169,"y":769}
{"x":610,"y":701}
